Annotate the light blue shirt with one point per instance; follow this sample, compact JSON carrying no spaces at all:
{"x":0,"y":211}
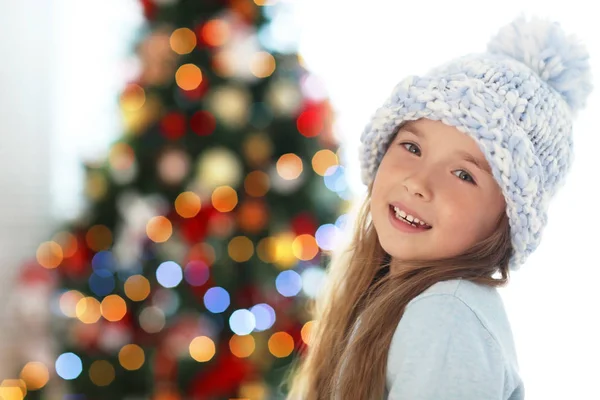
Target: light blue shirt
{"x":454,"y":342}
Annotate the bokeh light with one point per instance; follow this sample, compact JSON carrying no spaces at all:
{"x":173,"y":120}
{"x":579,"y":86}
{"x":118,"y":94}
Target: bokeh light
{"x":102,"y":282}
{"x":137,"y":287}
{"x":264,"y":315}
{"x":306,"y":331}
{"x":132,"y":98}
{"x":203,"y":123}
{"x":281,"y":344}
{"x":312,"y":280}
{"x":103,"y":260}
{"x":310,"y":122}
{"x":224,"y":198}
{"x":102,"y":373}
{"x":188,"y":77}
{"x":152,"y":319}
{"x":288,"y":283}
{"x":262,"y":64}
{"x":13,"y":389}
{"x":187,"y":204}
{"x":68,"y":302}
{"x":216,"y":300}
{"x":289,"y":166}
{"x":68,"y":366}
{"x":49,"y":254}
{"x":121,"y":157}
{"x":68,"y":243}
{"x":284,"y":255}
{"x":242,"y":322}
{"x":335,"y":179}
{"x":327,"y":236}
{"x":202,"y":348}
{"x":196,"y":272}
{"x":169,"y":274}
{"x":256,"y":183}
{"x":183,"y":40}
{"x":35,"y":375}
{"x":131,"y":357}
{"x":88,"y":310}
{"x":323,"y":160}
{"x":257,"y":149}
{"x":113,"y":308}
{"x":159,"y":229}
{"x":267,"y":250}
{"x":98,"y":238}
{"x":240,"y":248}
{"x":305,"y":247}
{"x":204,"y":252}
{"x":242,"y":346}
{"x":215,"y":32}
{"x":252,"y":215}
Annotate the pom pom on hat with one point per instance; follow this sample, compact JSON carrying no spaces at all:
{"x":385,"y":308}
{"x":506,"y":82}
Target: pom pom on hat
{"x":558,"y":59}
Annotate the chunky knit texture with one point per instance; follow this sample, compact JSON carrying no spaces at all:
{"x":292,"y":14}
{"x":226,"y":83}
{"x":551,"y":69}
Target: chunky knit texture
{"x":517,"y":101}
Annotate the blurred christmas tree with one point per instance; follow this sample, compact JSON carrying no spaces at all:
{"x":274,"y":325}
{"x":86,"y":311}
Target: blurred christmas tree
{"x":187,"y":275}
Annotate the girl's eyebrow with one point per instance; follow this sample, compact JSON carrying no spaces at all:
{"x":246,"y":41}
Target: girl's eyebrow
{"x":482,"y":165}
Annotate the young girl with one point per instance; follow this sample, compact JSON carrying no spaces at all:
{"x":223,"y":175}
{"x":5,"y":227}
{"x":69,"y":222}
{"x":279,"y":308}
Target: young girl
{"x":460,"y":166}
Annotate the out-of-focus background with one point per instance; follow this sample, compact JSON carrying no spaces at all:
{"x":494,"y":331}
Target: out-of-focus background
{"x":174,"y":173}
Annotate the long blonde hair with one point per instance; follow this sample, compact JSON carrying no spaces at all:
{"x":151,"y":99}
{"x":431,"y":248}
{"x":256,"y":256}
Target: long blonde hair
{"x":359,"y":284}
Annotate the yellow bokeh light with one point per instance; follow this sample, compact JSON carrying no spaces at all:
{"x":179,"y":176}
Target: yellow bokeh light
{"x":102,"y":373}
{"x":305,"y":247}
{"x":281,"y":344}
{"x":188,"y":204}
{"x":88,"y":310}
{"x":137,"y":287}
{"x":133,"y":97}
{"x":256,"y":183}
{"x":35,"y":375}
{"x":188,"y":77}
{"x":284,"y":254}
{"x":324,"y":159}
{"x":305,"y":332}
{"x":183,"y":41}
{"x":159,"y":229}
{"x":113,"y":308}
{"x":262,"y":64}
{"x":215,"y":32}
{"x":49,"y":254}
{"x":224,"y":198}
{"x":258,"y":149}
{"x":98,"y":238}
{"x":242,"y":346}
{"x":96,"y":185}
{"x":267,"y":250}
{"x":13,"y":389}
{"x":289,"y":166}
{"x":202,"y":348}
{"x":67,"y":242}
{"x":121,"y":157}
{"x":240,"y":248}
{"x":131,"y":357}
{"x":68,"y":302}
{"x":265,"y":2}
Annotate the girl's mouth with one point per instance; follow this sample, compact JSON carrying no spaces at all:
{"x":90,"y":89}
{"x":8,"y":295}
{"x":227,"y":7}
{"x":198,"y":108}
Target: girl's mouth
{"x":401,"y":219}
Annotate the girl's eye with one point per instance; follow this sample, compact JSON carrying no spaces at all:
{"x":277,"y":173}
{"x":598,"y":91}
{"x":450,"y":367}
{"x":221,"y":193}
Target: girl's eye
{"x":409,"y":146}
{"x":465,"y":176}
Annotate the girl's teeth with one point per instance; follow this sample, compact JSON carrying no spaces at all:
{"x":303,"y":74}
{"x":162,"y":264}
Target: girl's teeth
{"x":409,"y":219}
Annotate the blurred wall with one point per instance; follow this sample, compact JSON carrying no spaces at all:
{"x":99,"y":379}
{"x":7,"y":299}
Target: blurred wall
{"x":25,"y":125}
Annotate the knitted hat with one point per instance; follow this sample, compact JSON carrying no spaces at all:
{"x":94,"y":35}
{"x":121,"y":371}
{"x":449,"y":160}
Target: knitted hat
{"x":517,"y":101}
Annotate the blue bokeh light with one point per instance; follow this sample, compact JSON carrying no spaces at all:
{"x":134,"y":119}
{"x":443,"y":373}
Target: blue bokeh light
{"x":264,"y":315}
{"x":102,"y":282}
{"x":327,"y":236}
{"x":312,"y":280}
{"x":68,"y":366}
{"x":216,"y":299}
{"x":335,"y":178}
{"x":288,"y":283}
{"x":242,"y":322}
{"x":103,"y":260}
{"x":169,"y":274}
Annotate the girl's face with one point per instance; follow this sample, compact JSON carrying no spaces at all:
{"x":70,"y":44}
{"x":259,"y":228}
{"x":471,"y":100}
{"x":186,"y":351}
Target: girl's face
{"x":438,"y":174}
